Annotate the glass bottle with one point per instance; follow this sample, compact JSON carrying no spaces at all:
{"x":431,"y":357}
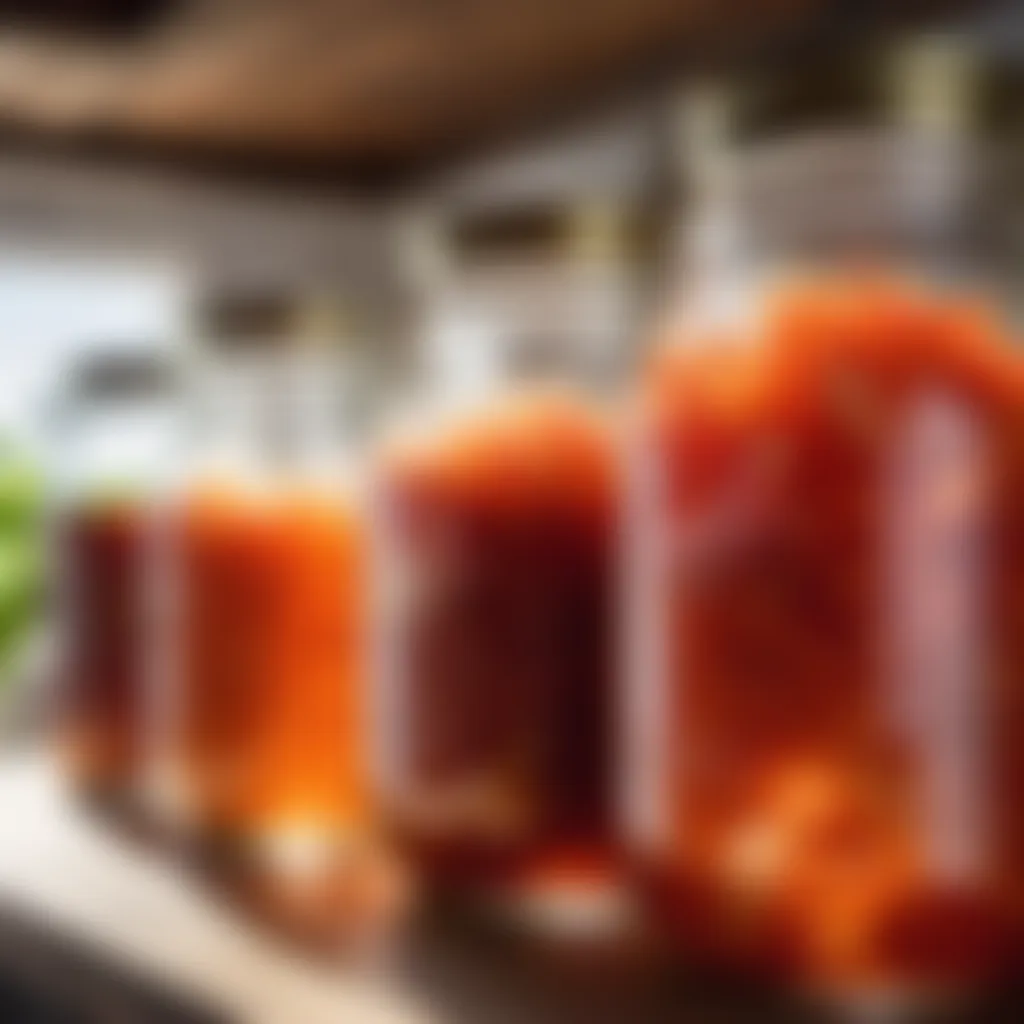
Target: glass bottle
{"x":117,"y":426}
{"x":496,"y":515}
{"x":262,"y":752}
{"x":824,"y":561}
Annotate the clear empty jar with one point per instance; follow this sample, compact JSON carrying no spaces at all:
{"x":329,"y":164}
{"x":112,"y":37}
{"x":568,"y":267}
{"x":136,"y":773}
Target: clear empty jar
{"x":827,"y":575}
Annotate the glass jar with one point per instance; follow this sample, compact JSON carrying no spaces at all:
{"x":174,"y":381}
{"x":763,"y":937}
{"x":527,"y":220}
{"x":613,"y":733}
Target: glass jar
{"x":262,"y":753}
{"x":116,"y":433}
{"x":829,"y":563}
{"x":496,"y":520}
{"x":825,"y":571}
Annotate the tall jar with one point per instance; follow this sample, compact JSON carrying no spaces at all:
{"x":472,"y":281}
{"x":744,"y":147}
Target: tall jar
{"x":825,"y":569}
{"x":261,"y":758}
{"x":117,"y":424}
{"x":496,"y":516}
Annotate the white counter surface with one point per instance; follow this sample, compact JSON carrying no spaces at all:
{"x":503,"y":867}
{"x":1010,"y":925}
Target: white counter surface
{"x":60,"y":867}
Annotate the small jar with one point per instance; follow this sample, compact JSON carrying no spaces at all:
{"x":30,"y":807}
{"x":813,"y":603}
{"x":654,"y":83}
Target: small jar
{"x":262,"y":750}
{"x":117,"y":427}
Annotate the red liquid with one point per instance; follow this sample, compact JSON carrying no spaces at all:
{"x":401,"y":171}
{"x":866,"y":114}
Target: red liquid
{"x":839,"y":506}
{"x":101,"y":724}
{"x":501,"y":530}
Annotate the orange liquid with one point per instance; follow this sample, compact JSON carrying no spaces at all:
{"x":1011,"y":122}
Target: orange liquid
{"x":268,"y":724}
{"x":503,"y":530}
{"x":806,"y":776}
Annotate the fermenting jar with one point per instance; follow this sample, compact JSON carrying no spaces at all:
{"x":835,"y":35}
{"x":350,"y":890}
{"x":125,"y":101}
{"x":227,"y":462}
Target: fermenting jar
{"x":825,"y":584}
{"x":496,"y":515}
{"x":118,"y":422}
{"x":831,"y":560}
{"x":262,"y":557}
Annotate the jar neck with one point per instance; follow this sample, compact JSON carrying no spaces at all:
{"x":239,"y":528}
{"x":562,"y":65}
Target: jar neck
{"x":116,"y":429}
{"x":267,"y":419}
{"x":466,"y":363}
{"x":890,"y":182}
